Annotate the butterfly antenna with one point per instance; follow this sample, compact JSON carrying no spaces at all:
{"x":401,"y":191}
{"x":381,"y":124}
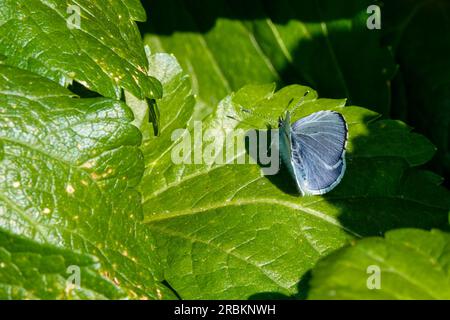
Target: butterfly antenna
{"x":240,"y":120}
{"x":299,"y":103}
{"x":289,"y":103}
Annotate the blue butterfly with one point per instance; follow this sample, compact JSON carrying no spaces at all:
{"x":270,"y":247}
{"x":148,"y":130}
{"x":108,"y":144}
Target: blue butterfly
{"x":313,"y":149}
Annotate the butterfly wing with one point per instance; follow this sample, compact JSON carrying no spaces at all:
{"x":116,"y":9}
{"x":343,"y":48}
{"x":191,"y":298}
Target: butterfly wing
{"x":318,"y":151}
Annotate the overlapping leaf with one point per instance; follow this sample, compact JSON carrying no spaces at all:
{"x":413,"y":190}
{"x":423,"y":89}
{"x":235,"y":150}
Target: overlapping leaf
{"x":68,"y":168}
{"x":227,"y":231}
{"x":103,"y":52}
{"x":29,"y":270}
{"x":225,"y":45}
{"x":406,"y":264}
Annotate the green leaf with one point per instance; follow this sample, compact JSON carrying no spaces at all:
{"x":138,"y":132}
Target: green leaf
{"x":226,"y":231}
{"x":225,"y":45}
{"x":105,"y":53}
{"x":68,"y":173}
{"x":29,"y":270}
{"x":423,"y":84}
{"x":412,"y":264}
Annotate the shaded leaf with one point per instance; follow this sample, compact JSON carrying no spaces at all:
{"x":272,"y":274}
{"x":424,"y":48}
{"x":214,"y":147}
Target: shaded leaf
{"x":224,"y":45}
{"x":419,"y":31}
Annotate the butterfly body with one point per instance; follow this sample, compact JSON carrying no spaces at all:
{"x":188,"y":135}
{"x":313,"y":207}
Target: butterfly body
{"x":313,"y":150}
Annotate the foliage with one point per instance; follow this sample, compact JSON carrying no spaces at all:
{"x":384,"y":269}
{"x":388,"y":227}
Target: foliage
{"x":85,"y":182}
{"x":414,"y":264}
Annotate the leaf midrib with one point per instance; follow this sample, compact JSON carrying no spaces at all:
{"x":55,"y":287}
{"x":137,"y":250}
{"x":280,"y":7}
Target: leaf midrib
{"x":243,"y":202}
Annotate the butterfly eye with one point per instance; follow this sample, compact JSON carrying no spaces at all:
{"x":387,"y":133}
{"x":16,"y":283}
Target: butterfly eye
{"x":280,"y":123}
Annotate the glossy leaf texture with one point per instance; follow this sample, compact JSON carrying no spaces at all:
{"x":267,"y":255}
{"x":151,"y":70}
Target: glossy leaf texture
{"x":224,"y":45}
{"x":224,"y":230}
{"x":409,"y":264}
{"x":93,"y":42}
{"x":68,"y":172}
{"x":29,"y":270}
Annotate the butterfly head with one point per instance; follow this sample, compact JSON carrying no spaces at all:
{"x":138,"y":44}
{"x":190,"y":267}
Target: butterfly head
{"x":284,"y":119}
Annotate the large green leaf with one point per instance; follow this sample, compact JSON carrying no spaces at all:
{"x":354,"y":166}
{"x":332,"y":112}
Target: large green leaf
{"x":225,"y":45}
{"x":68,"y":168}
{"x":420,"y":32}
{"x":227,"y":231}
{"x":29,"y":270}
{"x":104,"y":54}
{"x":412,"y":264}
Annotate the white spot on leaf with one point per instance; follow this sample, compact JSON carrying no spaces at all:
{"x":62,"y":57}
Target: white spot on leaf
{"x":70,"y":189}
